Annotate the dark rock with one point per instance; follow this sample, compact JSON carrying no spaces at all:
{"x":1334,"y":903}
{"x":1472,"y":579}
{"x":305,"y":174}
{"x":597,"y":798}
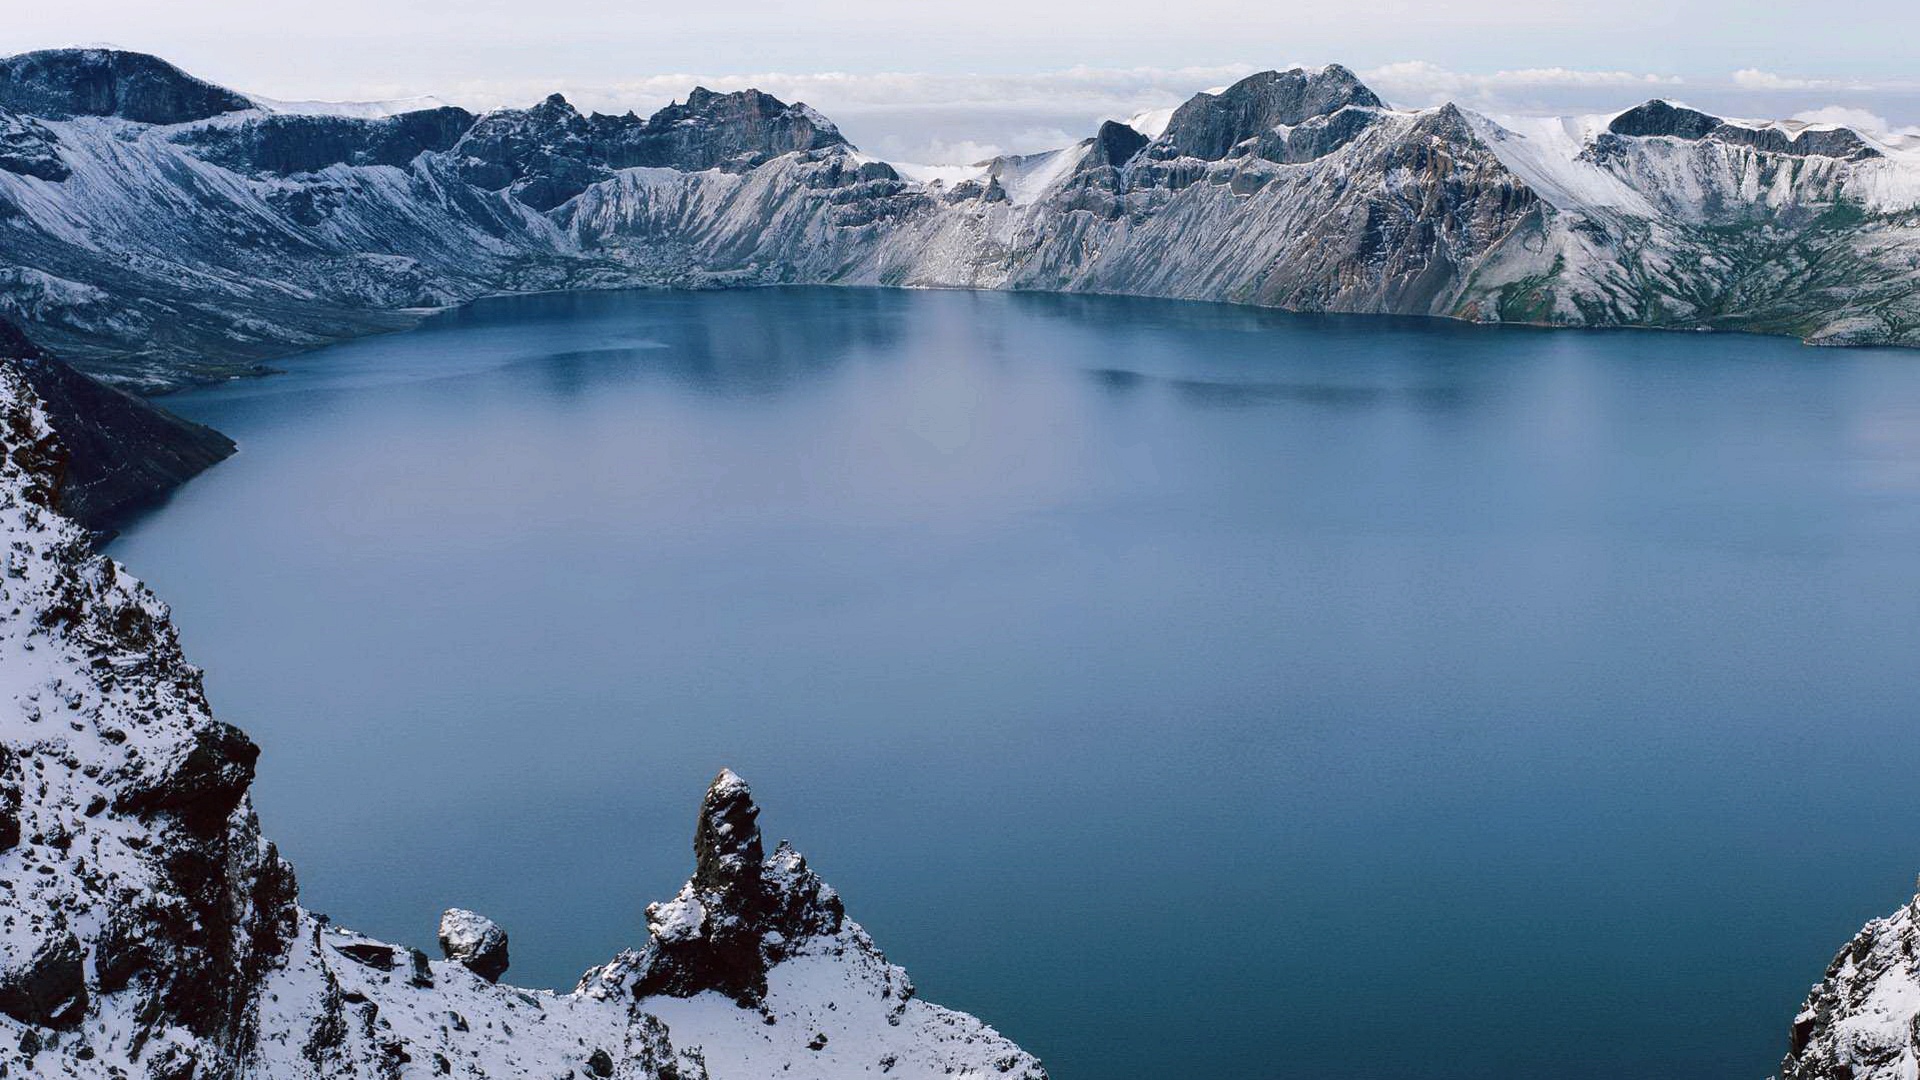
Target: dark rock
{"x":126,"y":948}
{"x":373,"y":955}
{"x":30,"y":148}
{"x":546,"y":149}
{"x":740,"y":913}
{"x":204,"y":785}
{"x":474,"y":941}
{"x":124,"y":454}
{"x":1315,"y":137}
{"x":283,"y":145}
{"x":9,"y":798}
{"x":709,"y":130}
{"x":549,"y":153}
{"x":1208,"y":126}
{"x":1115,"y":144}
{"x":1829,"y":142}
{"x":600,"y":1063}
{"x":50,"y":989}
{"x":1658,"y":117}
{"x":419,"y":972}
{"x":58,"y":83}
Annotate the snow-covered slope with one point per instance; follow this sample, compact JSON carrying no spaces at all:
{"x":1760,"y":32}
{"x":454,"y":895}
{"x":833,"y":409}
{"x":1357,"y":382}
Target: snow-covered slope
{"x":148,"y":930}
{"x":1862,"y":1021}
{"x":178,"y":231}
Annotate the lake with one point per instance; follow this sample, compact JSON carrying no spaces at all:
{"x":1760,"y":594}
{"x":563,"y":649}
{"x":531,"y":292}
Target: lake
{"x":1187,"y":690}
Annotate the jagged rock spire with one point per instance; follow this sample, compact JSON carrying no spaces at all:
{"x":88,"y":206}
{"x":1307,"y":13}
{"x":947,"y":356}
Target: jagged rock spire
{"x":726,"y":840}
{"x":740,"y":913}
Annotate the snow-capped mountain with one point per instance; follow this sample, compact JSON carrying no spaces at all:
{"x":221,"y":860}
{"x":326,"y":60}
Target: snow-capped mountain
{"x":157,"y":229}
{"x":147,"y":929}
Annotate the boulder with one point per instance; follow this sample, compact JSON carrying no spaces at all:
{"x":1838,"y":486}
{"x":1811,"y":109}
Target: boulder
{"x":48,"y":987}
{"x":474,"y":941}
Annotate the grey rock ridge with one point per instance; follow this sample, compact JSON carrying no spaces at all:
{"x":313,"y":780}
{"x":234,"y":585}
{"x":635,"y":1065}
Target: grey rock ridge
{"x":1862,"y":1020}
{"x":157,"y":230}
{"x":148,"y":930}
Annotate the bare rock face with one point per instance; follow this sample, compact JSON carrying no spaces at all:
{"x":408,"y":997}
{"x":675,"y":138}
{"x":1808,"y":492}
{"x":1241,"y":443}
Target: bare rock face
{"x":109,"y":82}
{"x":121,"y":453}
{"x":30,"y":149}
{"x":1210,"y":125}
{"x":1661,"y":118}
{"x":287,"y":145}
{"x":474,"y":941}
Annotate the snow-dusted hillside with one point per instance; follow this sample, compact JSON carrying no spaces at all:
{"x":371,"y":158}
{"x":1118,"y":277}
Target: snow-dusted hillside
{"x":172,"y":230}
{"x":1862,"y":1021}
{"x":148,"y":930}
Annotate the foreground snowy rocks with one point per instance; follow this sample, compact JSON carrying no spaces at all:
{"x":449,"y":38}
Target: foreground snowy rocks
{"x":148,"y":930}
{"x":475,"y":942}
{"x":1862,"y":1021}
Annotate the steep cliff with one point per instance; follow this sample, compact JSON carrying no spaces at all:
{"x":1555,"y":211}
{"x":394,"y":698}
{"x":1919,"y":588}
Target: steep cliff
{"x":122,"y":453}
{"x":147,"y":929}
{"x":1862,"y":1020}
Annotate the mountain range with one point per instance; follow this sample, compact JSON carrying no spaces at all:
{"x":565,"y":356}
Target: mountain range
{"x":157,"y":230}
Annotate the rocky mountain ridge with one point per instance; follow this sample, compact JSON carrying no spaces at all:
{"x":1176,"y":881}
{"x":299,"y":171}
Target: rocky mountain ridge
{"x":147,"y":929}
{"x":159,"y":231}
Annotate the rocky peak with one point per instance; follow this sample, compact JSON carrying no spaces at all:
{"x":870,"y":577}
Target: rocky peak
{"x":60,"y":83}
{"x":1662,"y":118}
{"x":713,"y":130}
{"x":1659,"y":117}
{"x":726,"y":841}
{"x":742,"y":911}
{"x":1113,"y":145}
{"x":1208,"y":126}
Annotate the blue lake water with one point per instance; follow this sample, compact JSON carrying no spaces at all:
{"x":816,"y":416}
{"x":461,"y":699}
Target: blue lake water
{"x":1188,"y":690}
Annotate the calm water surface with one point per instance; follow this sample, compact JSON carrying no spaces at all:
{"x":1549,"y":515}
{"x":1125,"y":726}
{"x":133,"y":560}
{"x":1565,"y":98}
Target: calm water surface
{"x":1188,"y":690}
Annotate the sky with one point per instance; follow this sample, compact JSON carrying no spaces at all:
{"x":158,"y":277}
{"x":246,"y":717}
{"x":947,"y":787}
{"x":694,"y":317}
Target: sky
{"x":959,"y":81}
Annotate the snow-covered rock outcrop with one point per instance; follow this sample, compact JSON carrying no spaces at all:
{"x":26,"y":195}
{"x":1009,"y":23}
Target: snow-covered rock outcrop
{"x":1862,"y":1021}
{"x":148,"y":930}
{"x":159,"y":230}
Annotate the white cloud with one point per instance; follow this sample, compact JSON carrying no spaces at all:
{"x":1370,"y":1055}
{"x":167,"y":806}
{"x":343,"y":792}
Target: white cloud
{"x":946,"y":118}
{"x":1857,"y":119}
{"x":1115,"y":91}
{"x":1755,"y":79}
{"x":1419,"y":76}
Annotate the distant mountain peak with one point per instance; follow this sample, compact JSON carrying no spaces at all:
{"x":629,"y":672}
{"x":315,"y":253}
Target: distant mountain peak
{"x":60,"y":83}
{"x":1210,"y":125}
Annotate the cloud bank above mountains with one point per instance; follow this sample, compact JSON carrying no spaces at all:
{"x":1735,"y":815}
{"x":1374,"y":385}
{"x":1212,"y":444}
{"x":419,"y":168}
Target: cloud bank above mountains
{"x":944,"y":118}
